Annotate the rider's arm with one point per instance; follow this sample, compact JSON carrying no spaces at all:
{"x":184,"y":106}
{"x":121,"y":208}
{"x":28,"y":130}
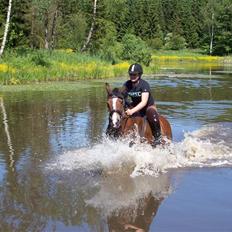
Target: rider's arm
{"x":142,"y":104}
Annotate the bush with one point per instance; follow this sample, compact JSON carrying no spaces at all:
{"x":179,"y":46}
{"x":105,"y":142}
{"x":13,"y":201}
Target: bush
{"x":223,"y":44}
{"x":112,"y":53}
{"x":174,"y":42}
{"x":40,"y":60}
{"x":135,"y":49}
{"x":77,"y":24}
{"x":106,"y":46}
{"x":155,"y":43}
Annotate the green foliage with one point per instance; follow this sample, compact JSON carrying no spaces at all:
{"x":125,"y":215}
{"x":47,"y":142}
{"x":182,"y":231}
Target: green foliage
{"x":107,"y":46}
{"x":135,"y":49}
{"x":42,"y":65}
{"x":77,"y":24}
{"x":174,"y":42}
{"x":19,"y":29}
{"x":112,"y":53}
{"x":155,"y":43}
{"x":223,"y":37}
{"x":40,"y":60}
{"x":68,"y":23}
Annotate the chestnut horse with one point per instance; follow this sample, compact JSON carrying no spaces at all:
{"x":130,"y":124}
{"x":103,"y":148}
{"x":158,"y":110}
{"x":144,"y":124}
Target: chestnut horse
{"x":121,"y":125}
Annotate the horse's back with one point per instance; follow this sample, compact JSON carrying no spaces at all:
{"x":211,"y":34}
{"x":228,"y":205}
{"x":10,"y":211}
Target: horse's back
{"x":141,"y":125}
{"x":166,"y":129}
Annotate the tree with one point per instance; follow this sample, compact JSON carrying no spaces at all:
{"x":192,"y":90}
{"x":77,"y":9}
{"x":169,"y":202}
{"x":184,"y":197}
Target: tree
{"x":92,"y":26}
{"x":76,"y":24}
{"x":174,"y":42}
{"x":135,"y":49}
{"x":210,"y":13}
{"x":6,"y":28}
{"x":223,"y":38}
{"x":41,"y":18}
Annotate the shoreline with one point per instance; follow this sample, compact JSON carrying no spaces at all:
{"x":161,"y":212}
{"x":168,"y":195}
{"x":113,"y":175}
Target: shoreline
{"x":43,"y":66}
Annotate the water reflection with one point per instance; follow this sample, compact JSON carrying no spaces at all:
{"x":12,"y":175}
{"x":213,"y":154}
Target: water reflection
{"x":130,"y":204}
{"x":135,"y":219}
{"x":8,"y":136}
{"x":38,"y":126}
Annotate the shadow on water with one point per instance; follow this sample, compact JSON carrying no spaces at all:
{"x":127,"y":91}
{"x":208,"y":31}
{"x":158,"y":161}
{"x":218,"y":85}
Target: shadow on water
{"x":53,"y":159}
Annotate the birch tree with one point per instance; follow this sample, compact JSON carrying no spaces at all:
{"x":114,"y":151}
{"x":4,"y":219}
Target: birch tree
{"x":211,"y":34}
{"x":6,"y":28}
{"x":210,"y":13}
{"x":92,"y":26}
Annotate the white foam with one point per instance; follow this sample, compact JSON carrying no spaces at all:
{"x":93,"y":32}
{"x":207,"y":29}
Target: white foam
{"x":200,"y":148}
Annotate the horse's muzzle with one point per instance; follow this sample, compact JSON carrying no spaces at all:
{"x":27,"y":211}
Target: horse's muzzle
{"x":116,"y":125}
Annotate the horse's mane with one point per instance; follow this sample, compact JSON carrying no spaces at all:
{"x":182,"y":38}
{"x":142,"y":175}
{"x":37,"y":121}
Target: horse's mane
{"x":117,"y":93}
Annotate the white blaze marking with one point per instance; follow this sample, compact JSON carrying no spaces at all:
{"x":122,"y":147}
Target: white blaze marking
{"x":115,"y":115}
{"x":114,"y":103}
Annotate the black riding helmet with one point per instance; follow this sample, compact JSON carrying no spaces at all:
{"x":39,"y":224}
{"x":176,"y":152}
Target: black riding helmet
{"x":135,"y":72}
{"x":135,"y":69}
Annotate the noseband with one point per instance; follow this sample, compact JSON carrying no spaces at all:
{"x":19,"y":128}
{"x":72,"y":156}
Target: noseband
{"x":116,"y":111}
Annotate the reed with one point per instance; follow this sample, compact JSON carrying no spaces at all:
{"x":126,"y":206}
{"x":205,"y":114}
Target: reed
{"x":58,"y":65}
{"x":28,"y":66}
{"x":185,"y":56}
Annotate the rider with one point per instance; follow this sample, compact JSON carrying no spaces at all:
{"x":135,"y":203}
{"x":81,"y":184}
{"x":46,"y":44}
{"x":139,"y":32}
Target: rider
{"x":142,"y":101}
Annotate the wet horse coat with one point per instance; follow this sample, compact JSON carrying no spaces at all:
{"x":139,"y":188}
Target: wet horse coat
{"x":122,"y":125}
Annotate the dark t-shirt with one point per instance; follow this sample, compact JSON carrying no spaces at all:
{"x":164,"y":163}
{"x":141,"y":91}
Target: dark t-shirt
{"x":135,"y":92}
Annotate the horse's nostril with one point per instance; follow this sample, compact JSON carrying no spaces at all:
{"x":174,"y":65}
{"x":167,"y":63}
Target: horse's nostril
{"x":116,"y":124}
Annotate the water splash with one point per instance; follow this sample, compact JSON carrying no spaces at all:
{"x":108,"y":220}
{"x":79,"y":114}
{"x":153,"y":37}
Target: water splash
{"x":209,"y":146}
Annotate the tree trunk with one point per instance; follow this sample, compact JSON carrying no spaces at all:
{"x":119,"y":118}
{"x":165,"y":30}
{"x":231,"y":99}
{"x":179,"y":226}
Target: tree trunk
{"x":32,"y":27}
{"x":211,"y":36}
{"x":6,"y":28}
{"x":53,"y":34}
{"x":46,"y":43}
{"x":92,"y":26}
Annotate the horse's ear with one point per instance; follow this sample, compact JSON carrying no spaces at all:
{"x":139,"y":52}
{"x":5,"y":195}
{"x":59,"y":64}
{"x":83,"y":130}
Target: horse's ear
{"x":108,"y":89}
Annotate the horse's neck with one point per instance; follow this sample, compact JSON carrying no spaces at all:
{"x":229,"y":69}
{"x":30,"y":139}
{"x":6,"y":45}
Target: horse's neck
{"x":124,"y":124}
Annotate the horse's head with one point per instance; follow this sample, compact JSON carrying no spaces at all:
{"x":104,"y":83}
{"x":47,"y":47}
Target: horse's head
{"x":115,"y":104}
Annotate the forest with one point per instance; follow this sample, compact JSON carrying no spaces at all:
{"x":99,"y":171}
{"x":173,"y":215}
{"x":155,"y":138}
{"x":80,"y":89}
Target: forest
{"x":170,"y":24}
{"x":113,"y":30}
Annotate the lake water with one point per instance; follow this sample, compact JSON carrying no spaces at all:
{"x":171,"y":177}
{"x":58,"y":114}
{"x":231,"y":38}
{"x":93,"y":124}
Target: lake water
{"x":58,"y":172}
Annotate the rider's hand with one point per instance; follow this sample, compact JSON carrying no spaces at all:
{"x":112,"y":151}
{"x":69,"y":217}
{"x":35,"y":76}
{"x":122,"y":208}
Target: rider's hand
{"x":129,"y":112}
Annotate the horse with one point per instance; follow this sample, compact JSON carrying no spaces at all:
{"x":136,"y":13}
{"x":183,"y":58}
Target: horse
{"x":121,"y":124}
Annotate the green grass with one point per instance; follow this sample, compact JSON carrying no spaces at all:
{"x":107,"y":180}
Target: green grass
{"x":185,"y":56}
{"x":184,"y":52}
{"x":40,"y":66}
{"x":20,"y":67}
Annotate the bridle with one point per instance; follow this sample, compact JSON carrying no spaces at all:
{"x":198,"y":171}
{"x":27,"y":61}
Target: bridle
{"x":116,"y":111}
{"x":120,"y":112}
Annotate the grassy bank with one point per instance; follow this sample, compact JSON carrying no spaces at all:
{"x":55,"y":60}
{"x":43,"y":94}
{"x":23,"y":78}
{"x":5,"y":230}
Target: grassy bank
{"x":24,"y":67}
{"x":188,"y":56}
{"x":40,"y":66}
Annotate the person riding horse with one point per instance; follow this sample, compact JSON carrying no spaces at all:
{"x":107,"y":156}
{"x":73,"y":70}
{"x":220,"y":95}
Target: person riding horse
{"x":143,"y":103}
